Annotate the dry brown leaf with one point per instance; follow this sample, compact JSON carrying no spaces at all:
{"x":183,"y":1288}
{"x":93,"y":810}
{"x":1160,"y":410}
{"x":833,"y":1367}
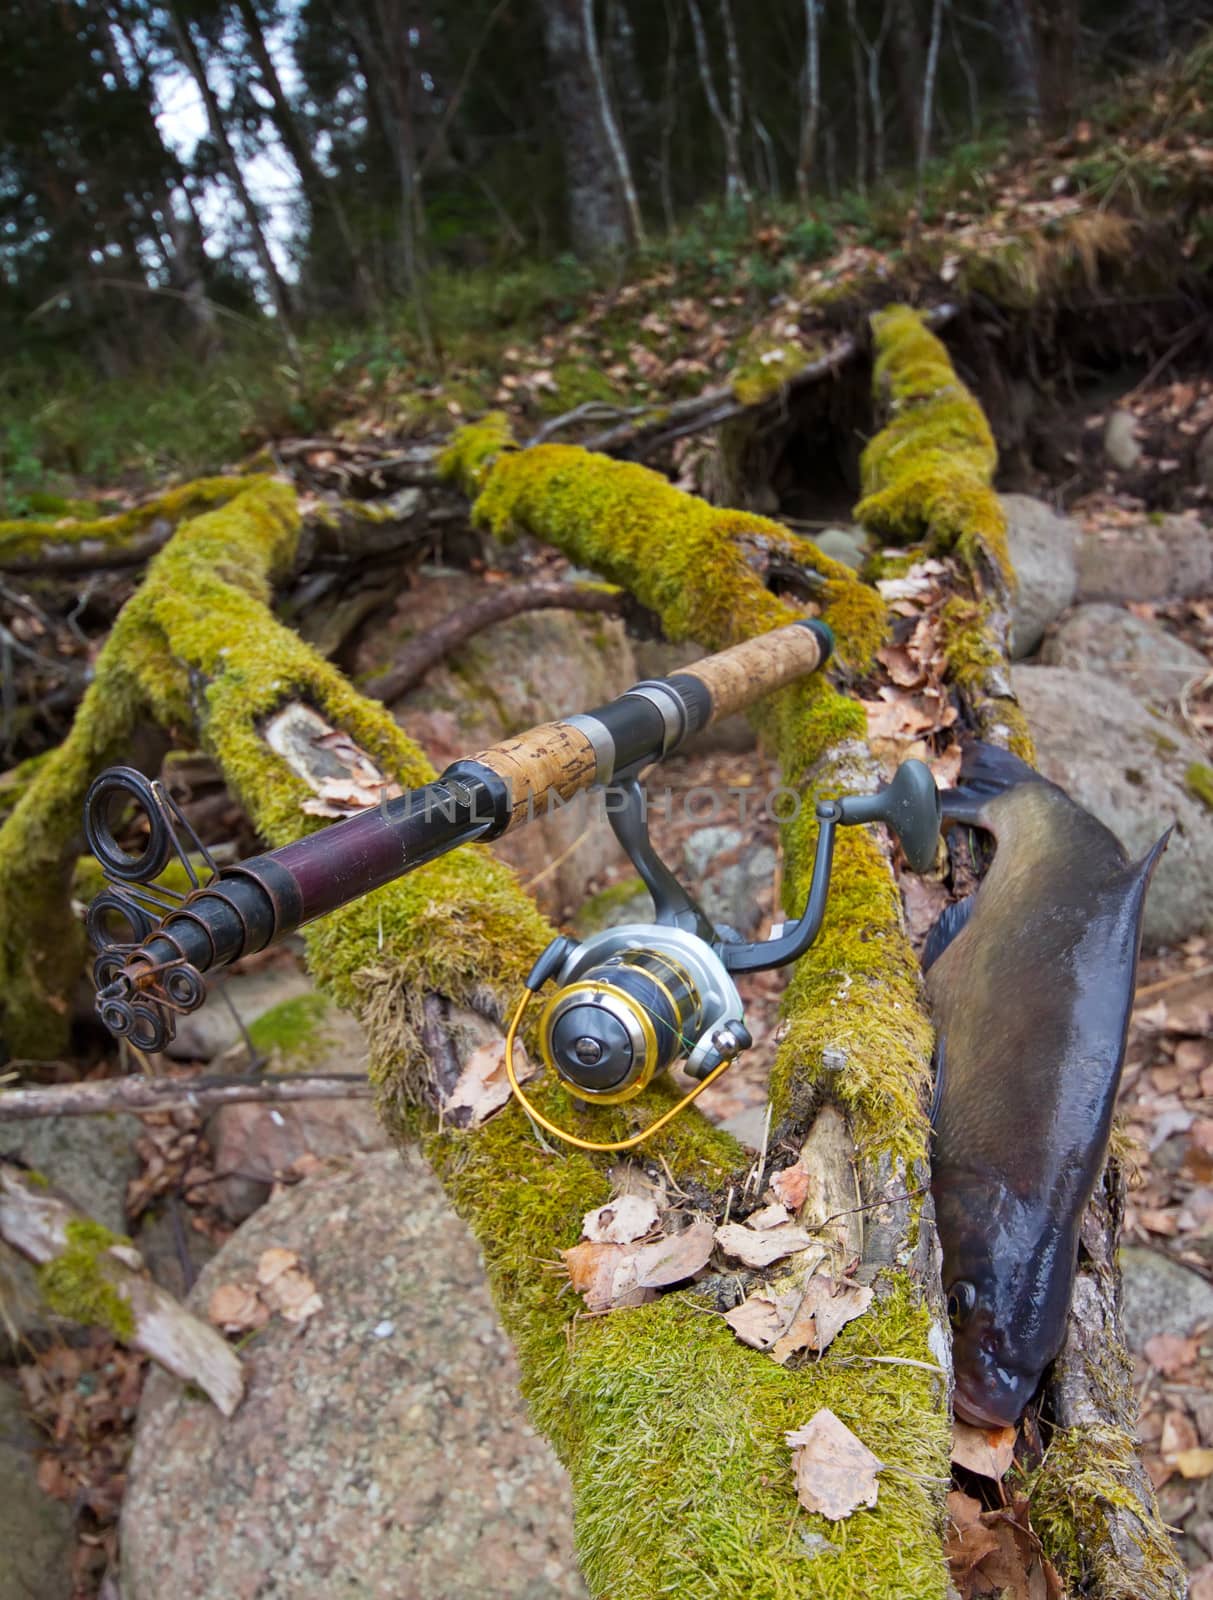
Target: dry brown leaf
{"x":985,"y":1451}
{"x":628,"y":1217}
{"x":825,"y":1309}
{"x":791,"y":1186}
{"x":1196,"y":1463}
{"x":237,"y":1308}
{"x":675,"y":1257}
{"x":759,"y":1248}
{"x":835,"y":1471}
{"x":274,"y":1262}
{"x":483,"y":1087}
{"x":604,"y":1275}
{"x":772,"y":1216}
{"x":760,"y":1318}
{"x":1178,"y":1435}
{"x":1171,"y":1353}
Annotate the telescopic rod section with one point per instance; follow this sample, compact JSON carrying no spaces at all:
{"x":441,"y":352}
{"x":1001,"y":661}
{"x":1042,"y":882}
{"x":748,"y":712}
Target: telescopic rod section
{"x":153,"y":968}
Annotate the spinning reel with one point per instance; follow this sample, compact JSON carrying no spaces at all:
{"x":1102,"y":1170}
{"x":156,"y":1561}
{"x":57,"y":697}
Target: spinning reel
{"x":632,"y":1001}
{"x":137,"y":999}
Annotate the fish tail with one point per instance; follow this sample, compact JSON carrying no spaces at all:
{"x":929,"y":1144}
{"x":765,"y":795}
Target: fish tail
{"x":985,"y":771}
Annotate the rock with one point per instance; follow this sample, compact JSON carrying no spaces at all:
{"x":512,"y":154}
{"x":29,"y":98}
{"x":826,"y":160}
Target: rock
{"x":658,"y":658}
{"x":382,"y":1450}
{"x":531,"y":669}
{"x":748,"y":1127}
{"x":254,"y":1143}
{"x":213,"y":1029}
{"x":92,"y":1159}
{"x":37,"y":1536}
{"x":157,"y":1242}
{"x":1120,"y":442}
{"x":1128,"y":766}
{"x":1132,"y":651}
{"x":851,"y":546}
{"x":731,"y":878}
{"x":1159,"y":1296}
{"x":1163,"y":560}
{"x":1042,"y":547}
{"x":626,"y":901}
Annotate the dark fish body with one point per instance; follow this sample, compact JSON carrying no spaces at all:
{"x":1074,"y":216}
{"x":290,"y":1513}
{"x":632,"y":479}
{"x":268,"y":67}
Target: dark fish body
{"x":1031,"y":1001}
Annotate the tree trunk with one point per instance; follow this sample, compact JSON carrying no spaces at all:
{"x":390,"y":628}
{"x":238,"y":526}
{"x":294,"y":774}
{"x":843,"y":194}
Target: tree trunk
{"x":273,"y":280}
{"x":908,"y":66}
{"x":1055,"y":28}
{"x":736,"y":191}
{"x":1014,"y":21}
{"x":669,"y":114}
{"x":598,"y":213}
{"x":928,"y":97}
{"x":859,"y":82}
{"x":810,"y":116}
{"x":610,"y":127}
{"x":320,"y":191}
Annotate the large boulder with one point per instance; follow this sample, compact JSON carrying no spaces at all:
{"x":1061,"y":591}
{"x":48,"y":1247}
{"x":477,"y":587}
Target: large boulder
{"x":1130,"y":767}
{"x":1132,"y":651}
{"x":381,"y":1449}
{"x":1165,"y":559}
{"x":1159,"y":1295}
{"x":236,"y":998}
{"x":1043,"y":552}
{"x":36,"y":1532}
{"x":531,"y":669}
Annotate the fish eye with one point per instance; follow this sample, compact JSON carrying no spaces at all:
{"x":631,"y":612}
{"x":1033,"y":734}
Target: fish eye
{"x":962,"y":1297}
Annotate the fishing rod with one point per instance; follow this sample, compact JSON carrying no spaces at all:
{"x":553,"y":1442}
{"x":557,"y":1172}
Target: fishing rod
{"x":628,"y":1003}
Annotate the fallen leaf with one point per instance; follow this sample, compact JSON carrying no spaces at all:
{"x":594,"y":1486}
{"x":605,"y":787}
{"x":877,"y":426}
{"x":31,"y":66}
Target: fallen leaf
{"x":237,"y":1307}
{"x":604,"y":1275}
{"x":620,"y":1221}
{"x":772,"y":1216}
{"x":986,"y":1451}
{"x":791,"y":1186}
{"x":835,"y":1471}
{"x":759,"y":1248}
{"x":1171,"y":1353}
{"x":274,"y":1262}
{"x":761,"y":1317}
{"x":1178,"y":1435}
{"x":1196,"y":1463}
{"x":483,"y":1087}
{"x":675,"y":1257}
{"x":826,"y":1308}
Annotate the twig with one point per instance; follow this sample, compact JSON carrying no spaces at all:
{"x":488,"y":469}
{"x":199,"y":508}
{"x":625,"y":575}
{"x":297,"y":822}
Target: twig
{"x":138,"y":1094}
{"x":420,"y":655}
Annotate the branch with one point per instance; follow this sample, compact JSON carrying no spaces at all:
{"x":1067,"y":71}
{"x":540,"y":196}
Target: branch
{"x":94,"y":1276}
{"x":420,"y":655}
{"x":138,"y":1094}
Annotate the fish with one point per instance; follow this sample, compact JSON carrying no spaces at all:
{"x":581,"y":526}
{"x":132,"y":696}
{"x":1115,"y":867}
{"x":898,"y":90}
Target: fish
{"x":1030,"y":982}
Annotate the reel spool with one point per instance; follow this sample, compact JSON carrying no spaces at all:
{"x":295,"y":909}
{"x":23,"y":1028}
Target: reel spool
{"x":633,"y":1001}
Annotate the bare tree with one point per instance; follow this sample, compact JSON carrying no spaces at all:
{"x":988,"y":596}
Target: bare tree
{"x":873,"y":51}
{"x":970,"y":76}
{"x":669,"y":113}
{"x":598,"y":214}
{"x":610,"y":128}
{"x":322,"y":194}
{"x":861,"y":121}
{"x":1013,"y":21}
{"x":275,"y":287}
{"x":810,"y":118}
{"x":736,"y":190}
{"x":928,"y":95}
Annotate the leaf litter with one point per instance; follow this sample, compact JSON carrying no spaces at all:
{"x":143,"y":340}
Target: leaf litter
{"x":834,"y":1471}
{"x":281,"y":1287}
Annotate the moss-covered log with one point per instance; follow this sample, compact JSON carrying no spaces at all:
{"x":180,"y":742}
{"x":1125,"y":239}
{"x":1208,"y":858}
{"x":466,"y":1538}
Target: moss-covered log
{"x":672,"y":1430}
{"x":928,"y":476}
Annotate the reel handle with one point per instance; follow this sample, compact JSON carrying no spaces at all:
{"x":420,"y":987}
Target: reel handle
{"x":909,"y":807}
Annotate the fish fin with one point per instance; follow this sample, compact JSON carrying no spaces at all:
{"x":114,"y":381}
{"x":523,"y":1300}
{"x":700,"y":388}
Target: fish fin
{"x":985,"y":771}
{"x":952,"y":920}
{"x":937,"y":1096}
{"x":1144,"y":869}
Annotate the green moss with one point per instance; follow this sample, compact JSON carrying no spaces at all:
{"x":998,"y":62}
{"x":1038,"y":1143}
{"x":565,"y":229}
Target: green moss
{"x":291,"y":1026}
{"x":23,"y":539}
{"x":1085,"y":1472}
{"x":576,"y":384}
{"x":77,"y":1285}
{"x":17,"y":780}
{"x":929,"y":473}
{"x":596,"y":912}
{"x":469,"y":457}
{"x":690,"y":562}
{"x":765,"y":368}
{"x":1198,"y":780}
